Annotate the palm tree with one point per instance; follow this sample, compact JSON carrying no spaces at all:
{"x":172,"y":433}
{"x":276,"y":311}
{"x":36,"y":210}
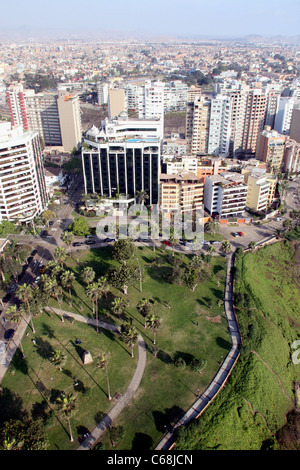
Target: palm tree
{"x":60,"y":255}
{"x":67,"y":280}
{"x":15,"y":317}
{"x":67,"y":405}
{"x":102,"y":364}
{"x":25,"y":294}
{"x":58,"y":359}
{"x":283,"y":188}
{"x":94,"y":292}
{"x":67,"y":238}
{"x":141,"y":196}
{"x":252,"y":245}
{"x":144,"y":307}
{"x":226,"y":246}
{"x":88,"y":275}
{"x":103,"y":286}
{"x":118,"y":306}
{"x":153,"y":321}
{"x":52,"y":288}
{"x":130,"y":336}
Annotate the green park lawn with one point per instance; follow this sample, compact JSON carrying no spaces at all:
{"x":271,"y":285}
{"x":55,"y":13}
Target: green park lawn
{"x":260,"y":392}
{"x":194,"y":327}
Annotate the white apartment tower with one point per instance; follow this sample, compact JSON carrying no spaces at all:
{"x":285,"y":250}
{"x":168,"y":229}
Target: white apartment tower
{"x":151,"y":102}
{"x":283,"y":116}
{"x":23,"y":193}
{"x":219,"y":127}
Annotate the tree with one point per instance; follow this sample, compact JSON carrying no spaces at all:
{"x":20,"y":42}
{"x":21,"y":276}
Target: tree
{"x":283,"y":187}
{"x":67,"y":238}
{"x":102,"y":364}
{"x":25,"y":294}
{"x":153,"y":321}
{"x":52,"y":288}
{"x":88,"y":275}
{"x":123,"y":250}
{"x":123,"y":276}
{"x":58,"y":359}
{"x":67,"y":406}
{"x":94,"y":293}
{"x":226,"y":246}
{"x":252,"y":245}
{"x":23,"y":434}
{"x":60,"y":255}
{"x":80,"y":227}
{"x":144,"y":307}
{"x":212,"y":226}
{"x":116,"y":433}
{"x":129,"y":336}
{"x":15,"y":317}
{"x":47,"y":216}
{"x":118,"y":306}
{"x":67,"y":280}
{"x":198,"y":365}
{"x":141,"y":196}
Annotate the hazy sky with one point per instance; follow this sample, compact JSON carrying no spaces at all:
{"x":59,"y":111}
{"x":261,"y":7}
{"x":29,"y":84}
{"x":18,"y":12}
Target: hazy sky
{"x":158,"y":17}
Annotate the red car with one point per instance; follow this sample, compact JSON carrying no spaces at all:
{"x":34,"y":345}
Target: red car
{"x":166,"y":242}
{"x":241,"y":234}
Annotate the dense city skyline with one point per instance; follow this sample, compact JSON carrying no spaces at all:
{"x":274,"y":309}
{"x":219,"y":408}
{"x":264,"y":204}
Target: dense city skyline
{"x":166,"y":19}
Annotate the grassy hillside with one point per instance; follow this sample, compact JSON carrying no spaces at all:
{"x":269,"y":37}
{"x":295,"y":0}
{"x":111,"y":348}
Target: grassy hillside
{"x":260,"y":393}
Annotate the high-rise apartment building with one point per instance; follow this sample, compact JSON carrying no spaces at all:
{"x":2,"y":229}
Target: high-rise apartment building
{"x":295,"y":125}
{"x":151,"y":102}
{"x":197,"y":125}
{"x":56,"y":116}
{"x":283,"y":115}
{"x":70,"y":121}
{"x":17,"y":105}
{"x":23,"y":193}
{"x":116,"y":102}
{"x":254,"y":120}
{"x":270,"y":147}
{"x":123,"y":157}
{"x":43,"y":116}
{"x":208,"y":125}
{"x":102,"y":93}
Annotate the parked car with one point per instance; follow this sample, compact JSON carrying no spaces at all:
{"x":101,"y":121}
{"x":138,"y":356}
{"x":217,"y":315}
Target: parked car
{"x":33,"y":253}
{"x":44,"y":234}
{"x":277,"y":219}
{"x":166,"y":242}
{"x":89,"y":236}
{"x":90,"y":242}
{"x":77,"y":243}
{"x":241,"y":234}
{"x":216,"y":242}
{"x":51,"y":223}
{"x":235,"y":234}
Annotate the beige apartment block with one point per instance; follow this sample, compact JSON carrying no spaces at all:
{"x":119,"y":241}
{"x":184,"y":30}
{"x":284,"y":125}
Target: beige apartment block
{"x":184,"y":191}
{"x":70,"y":121}
{"x":270,"y":147}
{"x":254,"y":120}
{"x":116,"y":102}
{"x":197,"y":125}
{"x":261,"y":189}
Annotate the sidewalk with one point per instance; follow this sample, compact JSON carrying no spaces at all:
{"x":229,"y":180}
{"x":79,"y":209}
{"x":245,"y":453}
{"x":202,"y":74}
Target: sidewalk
{"x":122,"y":402}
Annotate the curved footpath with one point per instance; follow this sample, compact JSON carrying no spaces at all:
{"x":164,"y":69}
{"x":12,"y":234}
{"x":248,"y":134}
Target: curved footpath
{"x":122,"y":401}
{"x":226,"y":367}
{"x":198,"y":407}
